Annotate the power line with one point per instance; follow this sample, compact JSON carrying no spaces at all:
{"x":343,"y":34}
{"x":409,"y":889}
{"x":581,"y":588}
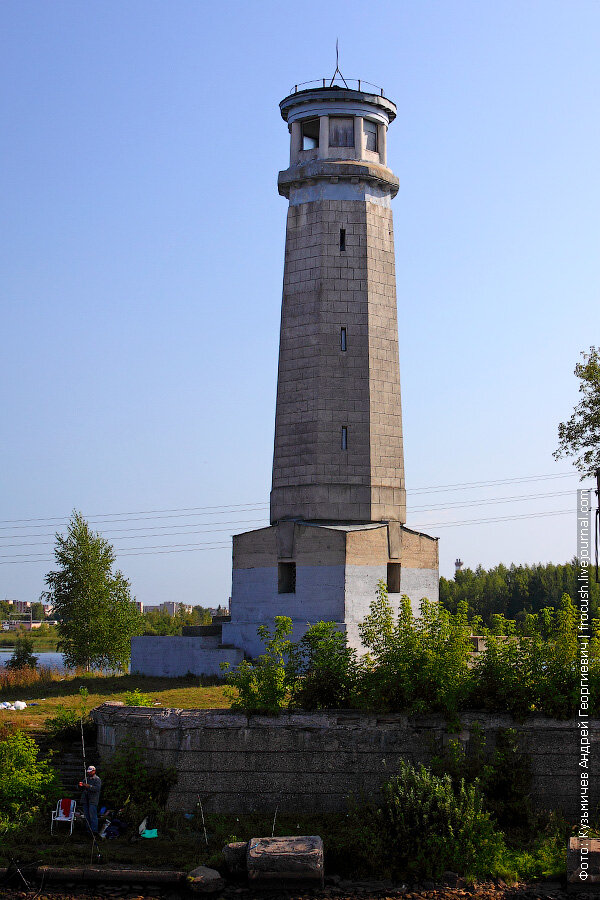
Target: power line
{"x":208,"y":527}
{"x":59,"y":520}
{"x":135,"y":518}
{"x":536,"y":515}
{"x":166,"y":548}
{"x":139,"y":551}
{"x":466,"y":485}
{"x":466,"y":504}
{"x":124,"y":537}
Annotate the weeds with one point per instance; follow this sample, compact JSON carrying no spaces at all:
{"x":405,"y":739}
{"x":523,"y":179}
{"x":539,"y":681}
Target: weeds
{"x":11,"y":679}
{"x":137,"y":698}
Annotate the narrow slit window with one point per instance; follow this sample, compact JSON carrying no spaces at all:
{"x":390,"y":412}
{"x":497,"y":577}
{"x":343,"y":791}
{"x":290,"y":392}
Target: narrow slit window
{"x":343,"y":340}
{"x":342,"y":238}
{"x":393,"y":578}
{"x":286,"y":577}
{"x":344,"y":437}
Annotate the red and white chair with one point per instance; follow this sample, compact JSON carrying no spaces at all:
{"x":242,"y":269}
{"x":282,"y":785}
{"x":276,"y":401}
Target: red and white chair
{"x":64,"y":812}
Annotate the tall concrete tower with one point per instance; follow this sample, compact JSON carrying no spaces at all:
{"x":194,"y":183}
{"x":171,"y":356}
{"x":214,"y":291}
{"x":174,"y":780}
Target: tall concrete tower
{"x":338,"y":500}
{"x":338,"y":425}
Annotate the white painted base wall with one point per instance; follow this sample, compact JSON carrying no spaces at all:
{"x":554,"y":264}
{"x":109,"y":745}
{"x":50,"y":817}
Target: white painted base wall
{"x":341,"y":594}
{"x":174,"y":656}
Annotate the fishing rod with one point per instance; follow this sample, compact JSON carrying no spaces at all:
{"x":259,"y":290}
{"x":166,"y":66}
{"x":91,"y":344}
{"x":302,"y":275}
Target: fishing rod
{"x":94,"y":841}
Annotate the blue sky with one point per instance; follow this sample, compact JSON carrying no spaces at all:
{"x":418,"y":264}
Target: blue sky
{"x":142,"y":256}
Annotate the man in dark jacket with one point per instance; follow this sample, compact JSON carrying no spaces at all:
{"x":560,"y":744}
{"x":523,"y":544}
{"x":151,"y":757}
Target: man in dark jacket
{"x":90,"y":796}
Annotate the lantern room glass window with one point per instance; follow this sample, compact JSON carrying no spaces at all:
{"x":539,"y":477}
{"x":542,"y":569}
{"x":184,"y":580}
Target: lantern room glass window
{"x":310,"y":134}
{"x":341,"y":131}
{"x":370,"y":131}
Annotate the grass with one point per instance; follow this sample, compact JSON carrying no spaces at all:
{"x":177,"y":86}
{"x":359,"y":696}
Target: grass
{"x":50,"y":689}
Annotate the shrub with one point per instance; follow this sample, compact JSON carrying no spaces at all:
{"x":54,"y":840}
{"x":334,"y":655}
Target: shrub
{"x":23,"y":656}
{"x":431,"y":826}
{"x":137,"y":698}
{"x":537,"y":672}
{"x":63,"y":724}
{"x":418,"y":663}
{"x":326,"y":669}
{"x":503,"y":777}
{"x":130,"y":781}
{"x":27,"y":783}
{"x":265,"y":685}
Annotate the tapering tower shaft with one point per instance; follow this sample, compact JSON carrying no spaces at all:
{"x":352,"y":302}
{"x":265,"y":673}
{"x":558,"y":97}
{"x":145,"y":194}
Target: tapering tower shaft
{"x":338,"y":425}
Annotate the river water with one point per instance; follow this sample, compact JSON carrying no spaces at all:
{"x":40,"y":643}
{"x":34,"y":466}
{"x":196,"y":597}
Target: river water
{"x":48,"y":658}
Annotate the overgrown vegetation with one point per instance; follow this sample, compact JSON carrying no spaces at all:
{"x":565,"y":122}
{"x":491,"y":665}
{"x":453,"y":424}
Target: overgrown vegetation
{"x":425,"y":663}
{"x":431,"y":825}
{"x":133,"y":787}
{"x":28,"y":785}
{"x":157,"y":622}
{"x":66,"y":723}
{"x":415,"y":663}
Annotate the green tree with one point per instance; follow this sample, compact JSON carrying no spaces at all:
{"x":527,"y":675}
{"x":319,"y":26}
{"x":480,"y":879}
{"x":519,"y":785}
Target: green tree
{"x":580,"y":436}
{"x":37,"y":612}
{"x":23,"y":656}
{"x":515,"y":591}
{"x":5,"y":609}
{"x":96,"y":614}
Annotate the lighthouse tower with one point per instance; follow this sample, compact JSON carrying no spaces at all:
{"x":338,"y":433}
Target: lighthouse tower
{"x":338,"y":499}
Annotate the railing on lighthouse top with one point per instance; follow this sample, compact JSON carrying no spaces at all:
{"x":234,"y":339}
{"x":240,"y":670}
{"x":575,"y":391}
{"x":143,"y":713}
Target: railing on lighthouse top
{"x":348,"y":84}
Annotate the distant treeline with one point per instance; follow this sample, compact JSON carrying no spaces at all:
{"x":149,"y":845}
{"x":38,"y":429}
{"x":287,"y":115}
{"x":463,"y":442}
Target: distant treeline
{"x":514,"y":590}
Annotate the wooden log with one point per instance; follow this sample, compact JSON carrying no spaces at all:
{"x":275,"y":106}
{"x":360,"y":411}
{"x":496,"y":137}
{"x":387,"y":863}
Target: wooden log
{"x":107,"y":874}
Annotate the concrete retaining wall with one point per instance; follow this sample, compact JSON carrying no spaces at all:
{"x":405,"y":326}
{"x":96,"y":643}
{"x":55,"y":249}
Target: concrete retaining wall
{"x":311,"y":762}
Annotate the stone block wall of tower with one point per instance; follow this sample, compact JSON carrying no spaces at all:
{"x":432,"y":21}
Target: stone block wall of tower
{"x":388,"y":495}
{"x":323,"y":387}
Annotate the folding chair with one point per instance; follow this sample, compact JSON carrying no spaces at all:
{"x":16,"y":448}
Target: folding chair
{"x":64,"y":812}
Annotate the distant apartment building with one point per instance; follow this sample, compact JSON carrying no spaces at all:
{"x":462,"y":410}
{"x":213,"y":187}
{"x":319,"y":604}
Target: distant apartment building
{"x":139,"y":605}
{"x":171,"y":607}
{"x":20,"y":606}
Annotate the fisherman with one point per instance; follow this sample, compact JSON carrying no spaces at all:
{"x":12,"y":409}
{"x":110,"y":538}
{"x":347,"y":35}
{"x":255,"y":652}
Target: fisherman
{"x":90,"y":796}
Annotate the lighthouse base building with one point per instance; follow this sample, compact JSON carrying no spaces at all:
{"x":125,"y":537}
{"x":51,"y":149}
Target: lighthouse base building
{"x":315,"y":572}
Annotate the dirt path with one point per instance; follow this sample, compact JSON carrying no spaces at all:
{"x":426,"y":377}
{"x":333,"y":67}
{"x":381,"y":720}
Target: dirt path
{"x":340,"y":891}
